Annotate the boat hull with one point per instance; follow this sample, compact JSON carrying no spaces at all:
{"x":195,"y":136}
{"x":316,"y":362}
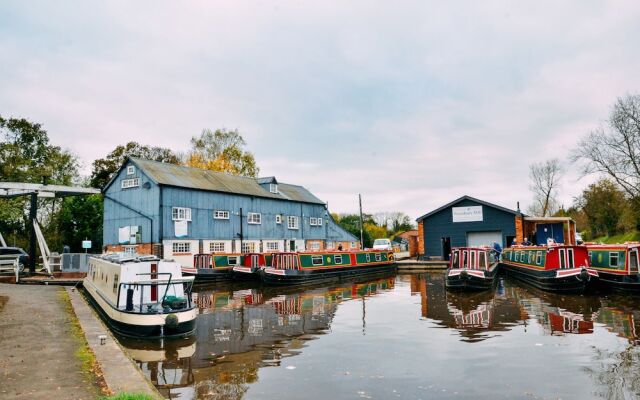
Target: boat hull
{"x":619,"y":282}
{"x":272,"y":276}
{"x":549,"y":280}
{"x":471,"y":280}
{"x":246,"y":273}
{"x":208,"y":274}
{"x":140,"y":325}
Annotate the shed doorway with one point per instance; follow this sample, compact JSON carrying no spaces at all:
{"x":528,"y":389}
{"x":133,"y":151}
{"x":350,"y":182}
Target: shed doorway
{"x":446,"y":247}
{"x":477,"y":239}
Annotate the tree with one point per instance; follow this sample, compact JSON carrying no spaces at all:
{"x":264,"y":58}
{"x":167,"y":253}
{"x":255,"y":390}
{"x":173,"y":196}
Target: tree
{"x":545,"y":181}
{"x":79,"y":218}
{"x":104,"y":168}
{"x":614,"y":148}
{"x":604,"y":204}
{"x":394,"y":222}
{"x":222,"y":150}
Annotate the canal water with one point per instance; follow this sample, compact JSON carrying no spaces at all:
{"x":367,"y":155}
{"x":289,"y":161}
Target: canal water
{"x":399,"y":337}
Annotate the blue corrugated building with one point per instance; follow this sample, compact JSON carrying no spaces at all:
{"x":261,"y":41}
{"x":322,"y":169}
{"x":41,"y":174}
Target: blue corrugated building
{"x":175,"y":212}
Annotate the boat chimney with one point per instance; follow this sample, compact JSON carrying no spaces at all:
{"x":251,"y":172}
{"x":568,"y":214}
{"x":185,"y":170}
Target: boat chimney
{"x":518,"y":206}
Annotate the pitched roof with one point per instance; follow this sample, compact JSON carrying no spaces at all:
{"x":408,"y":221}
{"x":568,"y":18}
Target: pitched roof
{"x":458,"y":200}
{"x":196,"y":178}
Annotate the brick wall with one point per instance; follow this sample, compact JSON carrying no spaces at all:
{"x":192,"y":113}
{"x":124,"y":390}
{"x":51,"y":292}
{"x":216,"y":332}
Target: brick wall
{"x":143,"y":248}
{"x":519,"y":230}
{"x":421,"y":238}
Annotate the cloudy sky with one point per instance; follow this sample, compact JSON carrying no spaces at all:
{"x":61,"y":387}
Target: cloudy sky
{"x":412,"y":104}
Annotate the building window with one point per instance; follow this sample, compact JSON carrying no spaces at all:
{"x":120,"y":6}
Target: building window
{"x":131,"y":170}
{"x":181,"y":247}
{"x":353,"y":245}
{"x":337,"y":259}
{"x":221,"y":214}
{"x":216,"y":247}
{"x":273,"y":187}
{"x":292,"y":222}
{"x":181,"y":214}
{"x":271,"y":246}
{"x":613,"y":259}
{"x":278,"y":219}
{"x":316,"y":260}
{"x":315,"y":245}
{"x":130,"y":183}
{"x":315,"y":221}
{"x":248,"y":247}
{"x":254,"y":218}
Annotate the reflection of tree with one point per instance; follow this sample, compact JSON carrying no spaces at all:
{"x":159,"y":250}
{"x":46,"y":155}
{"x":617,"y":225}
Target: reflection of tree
{"x":617,"y":373}
{"x":210,"y":389}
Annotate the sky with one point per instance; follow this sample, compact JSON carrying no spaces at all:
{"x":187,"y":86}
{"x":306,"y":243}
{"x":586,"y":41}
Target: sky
{"x":411,"y":104}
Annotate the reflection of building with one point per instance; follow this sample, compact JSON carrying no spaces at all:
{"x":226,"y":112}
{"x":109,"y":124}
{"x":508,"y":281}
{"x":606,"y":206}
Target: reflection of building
{"x":240,"y":331}
{"x":620,"y":319}
{"x":472,"y":314}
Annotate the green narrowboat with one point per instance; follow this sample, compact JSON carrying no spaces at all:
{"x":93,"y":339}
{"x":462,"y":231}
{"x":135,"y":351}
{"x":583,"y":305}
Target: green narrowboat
{"x":293,"y":268}
{"x":213,"y":267}
{"x":617,"y":265}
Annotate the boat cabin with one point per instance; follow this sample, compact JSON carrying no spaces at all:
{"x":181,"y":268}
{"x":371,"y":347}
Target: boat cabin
{"x":480,"y":258}
{"x":615,"y":258}
{"x":548,"y":257}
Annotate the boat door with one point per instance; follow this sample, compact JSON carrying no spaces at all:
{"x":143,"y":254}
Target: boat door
{"x":633,"y":261}
{"x":566,"y":258}
{"x":154,"y":288}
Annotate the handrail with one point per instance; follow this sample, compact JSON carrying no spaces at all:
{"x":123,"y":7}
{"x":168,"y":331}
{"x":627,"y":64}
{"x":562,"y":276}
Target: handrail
{"x":160,"y":273}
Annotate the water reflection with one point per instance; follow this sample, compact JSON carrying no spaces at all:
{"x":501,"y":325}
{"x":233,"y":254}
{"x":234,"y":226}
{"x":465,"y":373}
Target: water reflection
{"x":242,"y":333}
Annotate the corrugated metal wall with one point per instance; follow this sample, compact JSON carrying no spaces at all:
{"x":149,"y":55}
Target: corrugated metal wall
{"x":441,"y":225}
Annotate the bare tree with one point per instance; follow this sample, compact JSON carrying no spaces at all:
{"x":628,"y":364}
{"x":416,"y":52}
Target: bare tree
{"x":545,"y":182}
{"x":614,"y":149}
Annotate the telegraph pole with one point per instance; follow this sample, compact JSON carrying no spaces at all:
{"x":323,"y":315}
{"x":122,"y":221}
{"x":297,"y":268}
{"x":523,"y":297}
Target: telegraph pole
{"x":361,"y":231}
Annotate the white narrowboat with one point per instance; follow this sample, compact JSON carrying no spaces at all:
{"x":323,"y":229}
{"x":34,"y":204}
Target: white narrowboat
{"x":141,"y":296}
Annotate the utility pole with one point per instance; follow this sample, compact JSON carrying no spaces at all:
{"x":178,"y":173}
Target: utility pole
{"x":361,"y":225}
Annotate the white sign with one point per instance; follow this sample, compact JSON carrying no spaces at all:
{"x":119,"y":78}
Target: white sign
{"x":123,"y":235}
{"x":467,"y":214}
{"x":86,"y":244}
{"x":181,"y":228}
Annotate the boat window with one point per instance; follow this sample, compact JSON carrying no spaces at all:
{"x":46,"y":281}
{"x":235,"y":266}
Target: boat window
{"x":532,"y":257}
{"x":613,"y":259}
{"x":482,"y":260}
{"x":115,"y":283}
{"x":539,"y":258}
{"x":368,"y":257}
{"x":233,"y":260}
{"x":570,"y":257}
{"x":472,"y":264}
{"x":561,"y":255}
{"x":464,"y":259}
{"x":378,"y":257}
{"x":456,"y":260}
{"x":633,"y":261}
{"x":317,"y":260}
{"x":337,"y":259}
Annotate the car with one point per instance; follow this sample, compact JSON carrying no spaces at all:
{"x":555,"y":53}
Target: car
{"x":382,"y":244}
{"x":9,"y":254}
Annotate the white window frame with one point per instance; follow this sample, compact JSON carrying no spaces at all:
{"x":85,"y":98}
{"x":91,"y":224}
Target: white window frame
{"x":180,"y":214}
{"x":271,"y":246}
{"x":539,"y":257}
{"x":278,"y":218}
{"x":130,"y":249}
{"x":337,"y":259}
{"x":131,"y":170}
{"x":293,"y":222}
{"x":368,"y":257}
{"x":130,"y":183}
{"x":273,"y":188}
{"x":232,"y":260}
{"x":221,"y":214}
{"x":317,"y":260}
{"x":378,"y":257}
{"x":181,"y":247}
{"x":617,"y":257}
{"x":217,"y":247}
{"x":248,"y":247}
{"x":254,"y":218}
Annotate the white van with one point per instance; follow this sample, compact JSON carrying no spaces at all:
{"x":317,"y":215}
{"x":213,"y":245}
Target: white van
{"x":382,"y":244}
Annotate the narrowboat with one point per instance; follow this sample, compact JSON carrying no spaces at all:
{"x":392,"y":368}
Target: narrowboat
{"x":295,"y":268}
{"x":141,"y":296}
{"x":472,"y":268}
{"x":617,"y":265}
{"x":252,"y":265}
{"x":556,"y":267}
{"x":213,"y":267}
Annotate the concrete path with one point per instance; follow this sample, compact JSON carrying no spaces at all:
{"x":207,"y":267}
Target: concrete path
{"x":37,"y":347}
{"x":119,"y":371}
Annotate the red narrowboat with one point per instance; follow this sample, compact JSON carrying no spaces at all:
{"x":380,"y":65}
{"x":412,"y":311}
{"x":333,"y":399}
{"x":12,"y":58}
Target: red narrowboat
{"x":472,"y":268}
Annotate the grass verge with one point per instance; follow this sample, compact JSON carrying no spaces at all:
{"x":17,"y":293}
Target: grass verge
{"x":633,"y":236}
{"x":127,"y":396}
{"x":89,"y":365}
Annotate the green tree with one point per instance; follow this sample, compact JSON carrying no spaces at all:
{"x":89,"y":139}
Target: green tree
{"x":223,"y":151}
{"x":603,"y":204}
{"x":80,"y":218}
{"x":351,"y":223}
{"x":104,"y":168}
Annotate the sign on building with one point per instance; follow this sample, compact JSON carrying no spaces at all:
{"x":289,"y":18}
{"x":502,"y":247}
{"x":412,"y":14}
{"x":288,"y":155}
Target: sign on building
{"x":467,"y":214}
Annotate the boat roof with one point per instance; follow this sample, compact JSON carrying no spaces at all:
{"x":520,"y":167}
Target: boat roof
{"x":613,"y":245}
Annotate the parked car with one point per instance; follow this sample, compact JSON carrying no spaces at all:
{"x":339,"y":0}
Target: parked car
{"x":9,"y":254}
{"x":382,"y":244}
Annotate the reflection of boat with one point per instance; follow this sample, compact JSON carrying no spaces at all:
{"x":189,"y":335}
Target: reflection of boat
{"x":621,"y":315}
{"x":558,"y":268}
{"x":617,"y":265}
{"x":472,"y":268}
{"x":303,"y":268}
{"x":141,"y":296}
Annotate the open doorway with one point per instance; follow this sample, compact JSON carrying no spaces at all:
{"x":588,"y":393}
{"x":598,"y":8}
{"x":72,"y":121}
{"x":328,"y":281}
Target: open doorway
{"x":446,"y":247}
